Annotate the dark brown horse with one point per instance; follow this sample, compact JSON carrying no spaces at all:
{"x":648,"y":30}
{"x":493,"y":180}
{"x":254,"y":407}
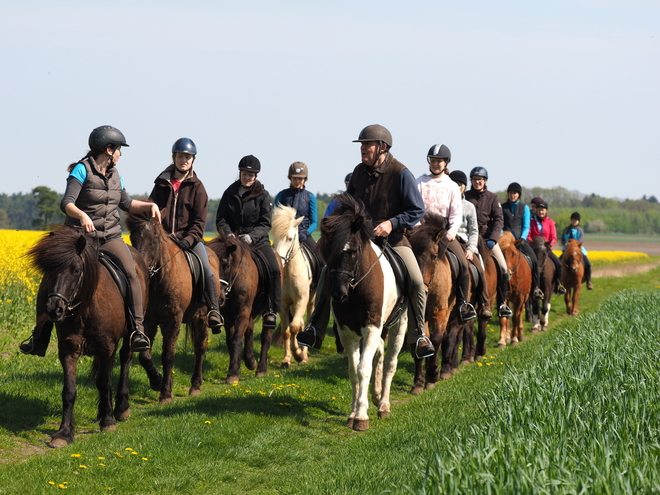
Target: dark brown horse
{"x":520,"y":285}
{"x":80,"y":296}
{"x":541,"y":311}
{"x":172,"y":301}
{"x":364,"y":294}
{"x":246,"y":297}
{"x":572,"y":275}
{"x":444,"y":326}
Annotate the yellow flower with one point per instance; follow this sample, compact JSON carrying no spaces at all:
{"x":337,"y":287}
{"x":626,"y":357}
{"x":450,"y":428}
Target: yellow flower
{"x":101,"y":464}
{"x":82,"y":466}
{"x":145,"y":458}
{"x":128,"y":448}
{"x":76,"y":455}
{"x":480,"y":364}
{"x":51,"y":482}
{"x":207,"y":422}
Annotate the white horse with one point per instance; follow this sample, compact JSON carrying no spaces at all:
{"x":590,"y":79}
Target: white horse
{"x":364,"y":293}
{"x":297,"y":295}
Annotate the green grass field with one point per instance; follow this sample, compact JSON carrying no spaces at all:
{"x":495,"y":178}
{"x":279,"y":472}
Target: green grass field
{"x":571,"y":410}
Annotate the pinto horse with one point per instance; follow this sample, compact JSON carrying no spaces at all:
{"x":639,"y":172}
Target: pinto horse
{"x":572,"y":275}
{"x":364,"y":294}
{"x":297,"y":289}
{"x":443,"y":322}
{"x":81,"y":297}
{"x":520,"y":285}
{"x":246,"y":297}
{"x":541,"y":311}
{"x":173,"y":301}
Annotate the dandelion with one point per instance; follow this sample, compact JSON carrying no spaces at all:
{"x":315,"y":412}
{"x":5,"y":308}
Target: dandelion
{"x":207,"y":422}
{"x":76,"y":455}
{"x":118,"y":454}
{"x":82,"y":466}
{"x":128,"y":448}
{"x":101,"y":458}
{"x":145,"y":458}
{"x":61,"y":486}
{"x":480,"y":364}
{"x":51,"y":482}
{"x":101,"y":464}
{"x":134,"y":453}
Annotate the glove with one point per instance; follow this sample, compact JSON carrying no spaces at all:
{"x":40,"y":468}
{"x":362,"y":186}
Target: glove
{"x":182,"y":243}
{"x":302,"y":236}
{"x":490,"y":243}
{"x":245,"y":238}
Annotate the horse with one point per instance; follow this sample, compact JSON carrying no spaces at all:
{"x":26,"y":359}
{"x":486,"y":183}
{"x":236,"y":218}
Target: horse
{"x":572,"y":275}
{"x":297,"y":289}
{"x":83,"y":300}
{"x":520,"y":285}
{"x":444,"y":326}
{"x":245,"y":297}
{"x":173,"y":300}
{"x":541,"y":312}
{"x":364,"y":294}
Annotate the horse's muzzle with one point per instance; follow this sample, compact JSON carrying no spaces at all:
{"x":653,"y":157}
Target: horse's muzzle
{"x":55,"y":308}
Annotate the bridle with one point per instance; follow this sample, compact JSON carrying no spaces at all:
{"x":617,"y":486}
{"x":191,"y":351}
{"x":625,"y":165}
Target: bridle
{"x":230,"y":285}
{"x":70,"y":307}
{"x":352,"y":283}
{"x":153,"y":269}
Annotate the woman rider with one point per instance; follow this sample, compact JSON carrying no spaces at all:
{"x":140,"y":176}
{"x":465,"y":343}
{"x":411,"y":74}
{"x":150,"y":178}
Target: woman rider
{"x":542,"y":225}
{"x":301,"y":200}
{"x":516,"y":220}
{"x":94,"y":193}
{"x":179,"y":190}
{"x":245,"y":211}
{"x":574,"y":231}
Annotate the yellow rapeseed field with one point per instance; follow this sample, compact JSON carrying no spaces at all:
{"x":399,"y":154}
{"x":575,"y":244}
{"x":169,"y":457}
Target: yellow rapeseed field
{"x":602,"y":258}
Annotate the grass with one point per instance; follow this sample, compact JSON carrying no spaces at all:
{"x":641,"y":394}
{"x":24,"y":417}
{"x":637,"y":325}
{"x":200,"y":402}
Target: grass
{"x":285,"y":433}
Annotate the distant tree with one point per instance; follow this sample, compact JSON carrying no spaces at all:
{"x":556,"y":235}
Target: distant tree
{"x":653,"y":199}
{"x":48,"y":207}
{"x":4,"y":219}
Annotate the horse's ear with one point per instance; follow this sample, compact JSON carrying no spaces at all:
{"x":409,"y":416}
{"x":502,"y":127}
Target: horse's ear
{"x":81,"y":243}
{"x":231,"y":248}
{"x":298,"y":220}
{"x":438,"y":236}
{"x":357,"y":224}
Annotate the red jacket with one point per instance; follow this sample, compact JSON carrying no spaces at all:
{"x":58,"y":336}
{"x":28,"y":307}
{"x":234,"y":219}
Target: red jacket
{"x":545,"y":227}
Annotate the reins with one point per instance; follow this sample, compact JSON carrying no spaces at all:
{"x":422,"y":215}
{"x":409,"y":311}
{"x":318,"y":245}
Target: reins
{"x":354,"y":283}
{"x":69,"y":300}
{"x":153,"y":269}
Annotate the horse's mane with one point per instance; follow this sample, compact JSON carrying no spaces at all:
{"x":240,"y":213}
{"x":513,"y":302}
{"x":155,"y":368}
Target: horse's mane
{"x":573,"y":248}
{"x":349,"y":218}
{"x":138,"y":222}
{"x":538,"y":243}
{"x":506,"y":240}
{"x":221,"y":243}
{"x":283,"y":216}
{"x":424,"y":235}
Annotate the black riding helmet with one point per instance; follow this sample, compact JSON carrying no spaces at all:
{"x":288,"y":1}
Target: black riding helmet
{"x":106,"y":136}
{"x":459,"y":177}
{"x":439,"y":151}
{"x":250,"y":163}
{"x":514,"y":187}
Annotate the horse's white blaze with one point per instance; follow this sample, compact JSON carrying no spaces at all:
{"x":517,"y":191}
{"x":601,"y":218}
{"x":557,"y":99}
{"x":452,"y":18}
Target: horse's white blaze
{"x":347,"y":246}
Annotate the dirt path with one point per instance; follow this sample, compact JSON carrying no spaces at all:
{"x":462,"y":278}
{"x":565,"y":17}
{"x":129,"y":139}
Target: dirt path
{"x":650,"y":248}
{"x":622,"y":270}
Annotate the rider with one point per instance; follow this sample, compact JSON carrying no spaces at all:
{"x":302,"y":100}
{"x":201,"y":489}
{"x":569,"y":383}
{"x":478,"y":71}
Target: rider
{"x":179,"y":189}
{"x":516,"y":220}
{"x":442,"y":196}
{"x":301,"y":200}
{"x":542,"y":225}
{"x":489,"y":218}
{"x":245,"y":211}
{"x":334,"y":203}
{"x":468,"y":235}
{"x":574,"y":231}
{"x":94,"y":192}
{"x":390,"y":195}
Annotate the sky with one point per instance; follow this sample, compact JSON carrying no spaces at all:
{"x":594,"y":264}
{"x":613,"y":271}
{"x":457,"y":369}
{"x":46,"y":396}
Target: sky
{"x":544,"y":93}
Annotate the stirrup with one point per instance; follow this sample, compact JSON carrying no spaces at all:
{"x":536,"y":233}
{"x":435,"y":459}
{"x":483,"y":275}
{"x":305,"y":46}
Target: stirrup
{"x":269,"y":320}
{"x":142,"y":341}
{"x":215,"y":321}
{"x":538,"y":293}
{"x":466,"y":311}
{"x":308,"y":337}
{"x":27,"y":346}
{"x":423,"y":347}
{"x":561,"y":289}
{"x":505,"y":311}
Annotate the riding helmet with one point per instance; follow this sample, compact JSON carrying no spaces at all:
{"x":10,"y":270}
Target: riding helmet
{"x":539,"y":202}
{"x":104,"y":136}
{"x":375,"y":132}
{"x":479,"y":172}
{"x":575,"y":216}
{"x":459,"y":177}
{"x":184,"y":145}
{"x":298,"y":169}
{"x":250,"y":163}
{"x":514,"y":187}
{"x":439,"y":151}
{"x":347,"y":179}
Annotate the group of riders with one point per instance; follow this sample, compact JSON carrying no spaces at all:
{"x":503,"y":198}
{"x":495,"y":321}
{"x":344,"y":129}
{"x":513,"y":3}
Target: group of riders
{"x":393,"y":198}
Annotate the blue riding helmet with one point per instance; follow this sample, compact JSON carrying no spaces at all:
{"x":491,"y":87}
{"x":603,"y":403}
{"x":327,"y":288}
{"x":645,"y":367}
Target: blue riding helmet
{"x":479,"y":172}
{"x":184,"y":145}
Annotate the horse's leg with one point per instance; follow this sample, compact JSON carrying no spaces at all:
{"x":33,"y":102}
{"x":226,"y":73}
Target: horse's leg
{"x":297,"y":325}
{"x":395,"y":339}
{"x":567,"y":299}
{"x":481,"y":339}
{"x":146,"y":360}
{"x":122,"y":408}
{"x":377,"y":375}
{"x":352,"y":342}
{"x":248,"y":345}
{"x":234,"y":337}
{"x":266,"y":340}
{"x":576,"y":297}
{"x":200,"y":335}
{"x":536,"y":314}
{"x":170,"y":332}
{"x":104,"y":387}
{"x":69,"y":361}
{"x":370,"y":342}
{"x":285,"y":325}
{"x":450,"y":349}
{"x":467,"y":332}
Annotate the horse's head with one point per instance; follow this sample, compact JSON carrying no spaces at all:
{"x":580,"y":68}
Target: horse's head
{"x":507,"y":243}
{"x":425,"y":241}
{"x":229,"y":251}
{"x":70,"y":270}
{"x":149,"y":238}
{"x":572,"y":257}
{"x":285,"y":232}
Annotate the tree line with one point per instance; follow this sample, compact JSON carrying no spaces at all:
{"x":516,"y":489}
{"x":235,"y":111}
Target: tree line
{"x":40,"y":208}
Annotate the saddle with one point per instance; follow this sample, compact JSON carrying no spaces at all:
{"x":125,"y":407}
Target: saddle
{"x":118,"y":275}
{"x":314,"y":263}
{"x":402,"y":279}
{"x":456,"y":269}
{"x":197,"y":273}
{"x":264,"y":271}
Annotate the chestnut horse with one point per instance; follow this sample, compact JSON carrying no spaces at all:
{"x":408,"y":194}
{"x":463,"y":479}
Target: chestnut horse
{"x":297,"y":290}
{"x":520,"y":285}
{"x":444,"y":326}
{"x":246,"y":297}
{"x":364,"y":294}
{"x":572,"y":275}
{"x":81,"y":297}
{"x":173,"y":301}
{"x":541,"y":311}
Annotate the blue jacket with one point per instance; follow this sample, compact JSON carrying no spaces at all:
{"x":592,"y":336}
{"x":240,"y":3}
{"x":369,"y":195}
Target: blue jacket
{"x":304,"y":202}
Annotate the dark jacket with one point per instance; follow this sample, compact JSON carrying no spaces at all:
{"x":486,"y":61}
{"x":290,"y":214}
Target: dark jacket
{"x":513,"y":217}
{"x":489,"y":213}
{"x":186,"y":209}
{"x":389,"y":192}
{"x":246,"y":214}
{"x":304,"y":203}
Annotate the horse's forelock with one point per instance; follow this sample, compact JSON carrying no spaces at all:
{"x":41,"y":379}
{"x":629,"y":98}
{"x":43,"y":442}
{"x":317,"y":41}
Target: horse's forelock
{"x":55,"y":250}
{"x":283,"y":217}
{"x":506,"y":240}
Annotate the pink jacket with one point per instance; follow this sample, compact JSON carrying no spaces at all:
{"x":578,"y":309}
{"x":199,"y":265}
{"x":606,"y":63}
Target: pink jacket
{"x":443,"y":197}
{"x":546,"y":228}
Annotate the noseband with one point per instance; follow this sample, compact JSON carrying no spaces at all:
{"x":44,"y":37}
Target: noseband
{"x":68,"y":301}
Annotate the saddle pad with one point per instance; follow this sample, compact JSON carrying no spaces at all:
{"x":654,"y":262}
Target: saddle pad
{"x":314,"y":263}
{"x":197,"y":272}
{"x":263,"y":269}
{"x":116,"y":273}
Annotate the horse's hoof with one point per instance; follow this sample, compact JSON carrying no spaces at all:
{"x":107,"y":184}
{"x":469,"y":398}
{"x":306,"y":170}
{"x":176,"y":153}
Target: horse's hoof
{"x":285,"y":366}
{"x":57,"y":443}
{"x":430,"y":385}
{"x":231,"y":380}
{"x":155,"y":383}
{"x":544,"y":328}
{"x":360,"y":424}
{"x":445,"y":376}
{"x":384,"y":414}
{"x":454,"y":371}
{"x":465,"y":361}
{"x":112,"y":427}
{"x":417,"y":390}
{"x":123,"y":416}
{"x":165,"y":401}
{"x":535,"y":330}
{"x":349,"y":423}
{"x":194,"y":392}
{"x":499,"y":346}
{"x":251,"y":365}
{"x":259,"y":374}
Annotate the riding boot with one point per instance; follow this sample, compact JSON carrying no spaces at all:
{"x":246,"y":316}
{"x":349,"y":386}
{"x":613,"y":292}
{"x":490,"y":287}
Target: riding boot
{"x":465,"y":310}
{"x":587,"y":273}
{"x":314,"y":332}
{"x":502,"y":290}
{"x":484,"y":304}
{"x":37,"y":343}
{"x":213,"y":319}
{"x":269,"y":320}
{"x":423,"y":347}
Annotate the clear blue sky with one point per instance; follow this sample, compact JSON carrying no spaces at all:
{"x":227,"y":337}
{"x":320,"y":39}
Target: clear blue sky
{"x":554,"y":93}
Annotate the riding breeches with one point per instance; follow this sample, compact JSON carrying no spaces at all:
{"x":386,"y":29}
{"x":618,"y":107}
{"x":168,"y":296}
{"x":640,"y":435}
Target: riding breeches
{"x":499,"y":257}
{"x":417,"y":296}
{"x":275,"y":277}
{"x":464,"y":276}
{"x":557,"y":263}
{"x":118,"y":249}
{"x":200,"y":250}
{"x":527,"y":250}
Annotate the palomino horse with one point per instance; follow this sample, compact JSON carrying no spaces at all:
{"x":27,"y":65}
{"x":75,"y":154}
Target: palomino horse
{"x":82,"y":298}
{"x":297,"y":291}
{"x":572,"y":275}
{"x":173,"y":300}
{"x":520,"y":285}
{"x":246,"y":297}
{"x":541,"y":311}
{"x":443,"y":323}
{"x":364,"y":294}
